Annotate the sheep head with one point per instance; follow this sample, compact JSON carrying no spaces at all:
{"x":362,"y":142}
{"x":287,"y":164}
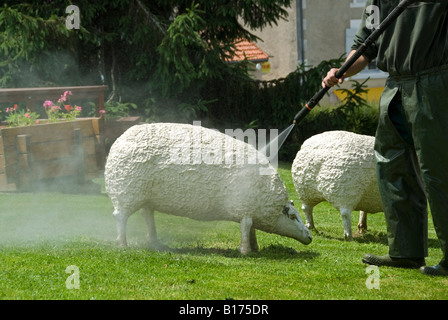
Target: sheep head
{"x":290,"y":224}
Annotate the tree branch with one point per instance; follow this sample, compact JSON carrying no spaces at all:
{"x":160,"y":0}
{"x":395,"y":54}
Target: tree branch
{"x":153,"y":18}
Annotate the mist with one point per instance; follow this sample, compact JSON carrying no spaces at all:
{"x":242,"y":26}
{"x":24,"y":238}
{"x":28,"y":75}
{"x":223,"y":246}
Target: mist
{"x":33,"y":218}
{"x":60,"y":219}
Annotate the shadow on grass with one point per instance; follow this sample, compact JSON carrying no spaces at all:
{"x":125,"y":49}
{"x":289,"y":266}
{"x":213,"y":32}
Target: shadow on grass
{"x":366,"y":237}
{"x":370,"y":237}
{"x":381,"y":237}
{"x":272,"y":252}
{"x":281,"y":252}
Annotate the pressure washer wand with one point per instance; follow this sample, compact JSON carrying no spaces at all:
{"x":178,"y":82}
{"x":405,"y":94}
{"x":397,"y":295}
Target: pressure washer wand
{"x":361,"y":50}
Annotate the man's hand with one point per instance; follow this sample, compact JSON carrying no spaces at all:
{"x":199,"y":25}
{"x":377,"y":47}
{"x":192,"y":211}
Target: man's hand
{"x":330,"y":80}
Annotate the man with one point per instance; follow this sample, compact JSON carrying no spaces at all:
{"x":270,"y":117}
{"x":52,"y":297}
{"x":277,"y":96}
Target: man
{"x":411,"y":144}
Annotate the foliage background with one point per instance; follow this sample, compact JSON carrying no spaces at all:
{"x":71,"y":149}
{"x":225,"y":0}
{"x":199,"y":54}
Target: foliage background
{"x":144,"y":49}
{"x":165,"y":60}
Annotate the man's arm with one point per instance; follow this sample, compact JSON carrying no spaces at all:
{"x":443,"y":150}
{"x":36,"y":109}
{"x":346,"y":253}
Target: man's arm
{"x":330,"y":80}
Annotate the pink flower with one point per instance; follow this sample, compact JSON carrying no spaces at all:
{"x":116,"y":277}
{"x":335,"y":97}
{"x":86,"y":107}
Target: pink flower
{"x":64,"y":96}
{"x":102,"y":111}
{"x":48,"y":104}
{"x":78,"y":108}
{"x":27,"y":115}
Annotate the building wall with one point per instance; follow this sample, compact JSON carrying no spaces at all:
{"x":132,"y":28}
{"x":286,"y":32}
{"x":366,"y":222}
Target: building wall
{"x":325,"y":37}
{"x":326,"y":22}
{"x":280,"y":43}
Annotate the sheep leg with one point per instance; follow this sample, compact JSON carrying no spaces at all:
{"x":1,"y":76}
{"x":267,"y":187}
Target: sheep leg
{"x":362,"y":223}
{"x":253,"y":240}
{"x":121,"y":218}
{"x":308,"y":210}
{"x":246,"y":226}
{"x":346,"y":215}
{"x":148,"y":215}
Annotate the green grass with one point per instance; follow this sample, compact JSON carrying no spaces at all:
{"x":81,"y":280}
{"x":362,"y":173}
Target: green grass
{"x":42,"y":234}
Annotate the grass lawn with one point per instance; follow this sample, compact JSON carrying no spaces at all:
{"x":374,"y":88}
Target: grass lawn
{"x":43,"y":234}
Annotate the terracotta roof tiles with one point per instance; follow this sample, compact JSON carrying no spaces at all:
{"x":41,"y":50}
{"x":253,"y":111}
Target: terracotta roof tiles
{"x":248,"y":50}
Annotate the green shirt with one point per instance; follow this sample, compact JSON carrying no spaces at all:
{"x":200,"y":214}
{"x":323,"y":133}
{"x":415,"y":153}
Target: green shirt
{"x":417,"y":40}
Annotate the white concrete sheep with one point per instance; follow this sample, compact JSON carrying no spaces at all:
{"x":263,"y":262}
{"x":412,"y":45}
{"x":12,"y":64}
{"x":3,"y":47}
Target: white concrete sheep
{"x":338,"y":167}
{"x":195,"y":172}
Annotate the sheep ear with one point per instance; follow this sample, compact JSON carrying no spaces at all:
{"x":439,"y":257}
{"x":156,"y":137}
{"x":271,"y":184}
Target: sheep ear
{"x":291,"y":202}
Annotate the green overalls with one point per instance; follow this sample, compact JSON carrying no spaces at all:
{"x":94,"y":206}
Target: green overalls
{"x":411,"y":144}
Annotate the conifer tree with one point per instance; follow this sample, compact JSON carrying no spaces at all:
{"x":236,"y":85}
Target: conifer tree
{"x":138,"y":47}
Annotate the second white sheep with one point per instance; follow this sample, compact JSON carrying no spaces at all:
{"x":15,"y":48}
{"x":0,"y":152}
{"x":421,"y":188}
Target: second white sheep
{"x":338,"y":167}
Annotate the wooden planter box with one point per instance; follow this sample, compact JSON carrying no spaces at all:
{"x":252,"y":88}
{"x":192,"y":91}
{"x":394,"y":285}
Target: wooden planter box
{"x":29,"y":155}
{"x":116,"y":127}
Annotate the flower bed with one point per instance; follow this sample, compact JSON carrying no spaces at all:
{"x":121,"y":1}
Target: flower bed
{"x":29,"y":154}
{"x":34,"y":150}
